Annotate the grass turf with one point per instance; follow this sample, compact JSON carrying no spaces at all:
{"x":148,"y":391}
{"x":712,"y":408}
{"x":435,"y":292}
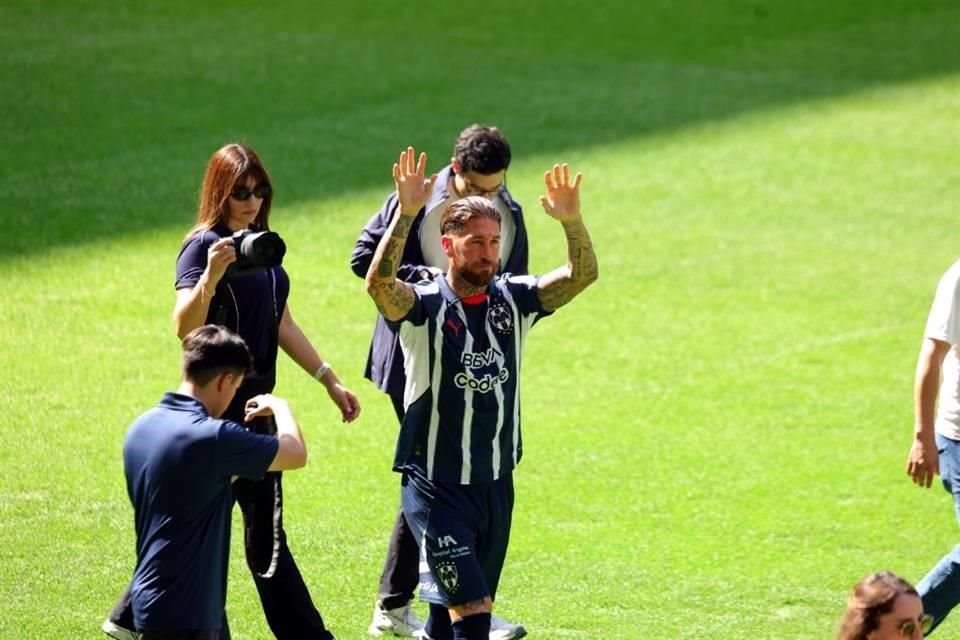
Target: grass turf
{"x":714,"y":433}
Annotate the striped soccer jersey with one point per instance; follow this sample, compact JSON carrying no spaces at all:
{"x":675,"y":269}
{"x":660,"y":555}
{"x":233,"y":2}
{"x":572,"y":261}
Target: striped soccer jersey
{"x":462,"y":364}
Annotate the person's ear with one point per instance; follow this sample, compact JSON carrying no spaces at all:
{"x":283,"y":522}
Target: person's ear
{"x":447,"y":243}
{"x":224,"y":381}
{"x":455,"y":164}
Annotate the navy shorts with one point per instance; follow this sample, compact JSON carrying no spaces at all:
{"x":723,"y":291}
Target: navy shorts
{"x":463,"y":531}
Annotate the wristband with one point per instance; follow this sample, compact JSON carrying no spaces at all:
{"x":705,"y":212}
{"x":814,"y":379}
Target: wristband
{"x":319,"y":373}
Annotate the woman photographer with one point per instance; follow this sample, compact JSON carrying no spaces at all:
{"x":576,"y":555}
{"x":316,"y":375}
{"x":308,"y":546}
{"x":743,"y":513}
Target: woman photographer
{"x":236,"y":196}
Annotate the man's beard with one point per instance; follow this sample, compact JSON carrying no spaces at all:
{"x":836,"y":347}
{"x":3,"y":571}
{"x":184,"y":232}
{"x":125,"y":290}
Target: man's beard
{"x":476,"y":278}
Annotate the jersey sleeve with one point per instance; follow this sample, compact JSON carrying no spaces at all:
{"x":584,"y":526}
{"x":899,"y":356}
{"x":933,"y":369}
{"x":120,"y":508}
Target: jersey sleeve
{"x":422,"y":291}
{"x":243,"y":453}
{"x":525,"y":293}
{"x":193,"y":259}
{"x":943,"y":323}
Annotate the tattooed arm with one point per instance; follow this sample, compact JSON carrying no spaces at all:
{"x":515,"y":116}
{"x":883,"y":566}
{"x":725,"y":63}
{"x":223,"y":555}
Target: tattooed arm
{"x":393,"y":297}
{"x":562,"y":203}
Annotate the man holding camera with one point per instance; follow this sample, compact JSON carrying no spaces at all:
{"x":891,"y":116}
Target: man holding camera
{"x":179,"y":460}
{"x":462,"y":336}
{"x":478,"y":167}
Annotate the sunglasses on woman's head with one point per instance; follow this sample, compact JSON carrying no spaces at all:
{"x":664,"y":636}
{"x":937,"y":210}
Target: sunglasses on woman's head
{"x":260,"y":191}
{"x":910,"y":626}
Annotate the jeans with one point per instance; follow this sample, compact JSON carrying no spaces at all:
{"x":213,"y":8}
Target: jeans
{"x":940,"y":588}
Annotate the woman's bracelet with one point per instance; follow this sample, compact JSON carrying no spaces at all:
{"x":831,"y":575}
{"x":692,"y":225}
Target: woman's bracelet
{"x":319,"y":373}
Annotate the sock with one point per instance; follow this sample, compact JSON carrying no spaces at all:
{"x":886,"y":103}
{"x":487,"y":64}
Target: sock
{"x":438,"y":624}
{"x":475,"y":627}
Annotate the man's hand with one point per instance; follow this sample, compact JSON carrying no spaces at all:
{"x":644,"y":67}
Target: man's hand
{"x":562,"y":201}
{"x":923,"y":462}
{"x":413,"y":189}
{"x":262,"y":405}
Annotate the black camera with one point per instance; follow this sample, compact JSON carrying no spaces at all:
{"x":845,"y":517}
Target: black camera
{"x":256,"y":250}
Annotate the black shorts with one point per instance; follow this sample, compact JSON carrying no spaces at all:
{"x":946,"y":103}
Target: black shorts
{"x":463,"y":532}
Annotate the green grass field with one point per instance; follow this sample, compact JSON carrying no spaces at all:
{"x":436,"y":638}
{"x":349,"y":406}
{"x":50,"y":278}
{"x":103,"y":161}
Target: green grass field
{"x":715,"y":432}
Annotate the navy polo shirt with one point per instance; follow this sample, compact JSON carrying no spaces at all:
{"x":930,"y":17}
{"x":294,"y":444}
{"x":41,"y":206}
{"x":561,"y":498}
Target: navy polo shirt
{"x":178,"y":462}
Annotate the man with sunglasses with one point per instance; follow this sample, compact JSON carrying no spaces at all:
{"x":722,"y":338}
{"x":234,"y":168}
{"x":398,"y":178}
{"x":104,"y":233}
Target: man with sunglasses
{"x":481,"y":157}
{"x":936,"y":434}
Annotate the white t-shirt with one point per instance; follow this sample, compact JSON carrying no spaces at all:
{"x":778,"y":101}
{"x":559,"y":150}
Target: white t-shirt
{"x":943,"y":324}
{"x":430,"y":232}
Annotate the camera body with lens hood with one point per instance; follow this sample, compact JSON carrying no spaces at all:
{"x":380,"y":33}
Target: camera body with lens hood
{"x":256,"y":250}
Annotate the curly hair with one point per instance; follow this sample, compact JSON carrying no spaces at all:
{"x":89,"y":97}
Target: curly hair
{"x":482,"y":149}
{"x":871,"y":598}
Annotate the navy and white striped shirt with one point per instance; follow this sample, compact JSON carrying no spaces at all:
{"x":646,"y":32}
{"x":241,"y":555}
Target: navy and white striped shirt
{"x":462,"y":365}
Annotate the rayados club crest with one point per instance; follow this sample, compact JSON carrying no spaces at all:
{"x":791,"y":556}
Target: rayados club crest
{"x":501,"y":318}
{"x":448,"y":576}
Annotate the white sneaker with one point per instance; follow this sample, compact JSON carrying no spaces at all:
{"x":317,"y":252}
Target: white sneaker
{"x":402,"y":622}
{"x":500,"y":629}
{"x":119,"y":633}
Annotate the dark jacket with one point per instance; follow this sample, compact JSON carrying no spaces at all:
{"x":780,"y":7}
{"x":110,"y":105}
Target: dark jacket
{"x":385,"y":361}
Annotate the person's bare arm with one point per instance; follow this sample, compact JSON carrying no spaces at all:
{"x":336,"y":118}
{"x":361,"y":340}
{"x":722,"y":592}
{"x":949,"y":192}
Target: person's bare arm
{"x":562,"y":203}
{"x":923,"y":460}
{"x":292,"y":449}
{"x":393,"y":297}
{"x":296,"y":345}
{"x":193,"y":304}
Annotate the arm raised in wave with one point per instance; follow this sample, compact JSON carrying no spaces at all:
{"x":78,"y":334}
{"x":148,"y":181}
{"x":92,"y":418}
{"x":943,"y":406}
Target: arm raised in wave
{"x":393,"y":297}
{"x":562,"y":203}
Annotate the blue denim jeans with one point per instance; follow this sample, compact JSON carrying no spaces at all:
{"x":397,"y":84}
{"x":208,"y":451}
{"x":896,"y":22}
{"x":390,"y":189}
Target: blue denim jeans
{"x":940,"y":589}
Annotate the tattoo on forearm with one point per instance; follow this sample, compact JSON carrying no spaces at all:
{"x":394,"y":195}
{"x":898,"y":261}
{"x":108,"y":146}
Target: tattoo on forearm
{"x":392,"y":297}
{"x":386,"y":268}
{"x":393,"y":252}
{"x":561,"y":286}
{"x":583,"y":260}
{"x":402,"y":228}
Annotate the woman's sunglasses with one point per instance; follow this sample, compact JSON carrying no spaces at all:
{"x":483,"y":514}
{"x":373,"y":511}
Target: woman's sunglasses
{"x":908,"y":628}
{"x":260,"y":191}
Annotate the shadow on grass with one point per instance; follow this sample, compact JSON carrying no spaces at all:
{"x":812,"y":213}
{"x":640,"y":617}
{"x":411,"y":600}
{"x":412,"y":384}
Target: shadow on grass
{"x":116,"y":109}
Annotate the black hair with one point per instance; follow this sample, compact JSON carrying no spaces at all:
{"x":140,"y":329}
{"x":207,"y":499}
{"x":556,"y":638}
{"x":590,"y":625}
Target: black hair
{"x":482,"y":149}
{"x":212,"y":350}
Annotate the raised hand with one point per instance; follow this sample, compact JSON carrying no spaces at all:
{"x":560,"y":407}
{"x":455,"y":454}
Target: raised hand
{"x":413,"y":188}
{"x":562,"y":201}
